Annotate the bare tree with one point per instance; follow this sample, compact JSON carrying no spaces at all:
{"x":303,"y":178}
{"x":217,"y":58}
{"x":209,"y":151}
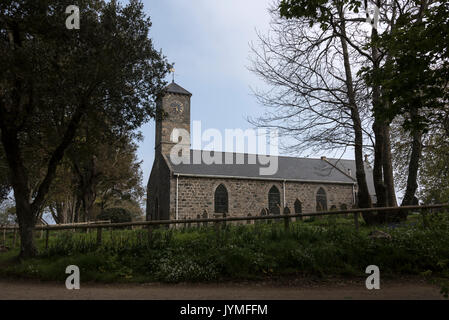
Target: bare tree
{"x":314,"y":97}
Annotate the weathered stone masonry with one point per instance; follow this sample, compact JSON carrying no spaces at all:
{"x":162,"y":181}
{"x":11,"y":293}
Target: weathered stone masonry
{"x":196,"y":194}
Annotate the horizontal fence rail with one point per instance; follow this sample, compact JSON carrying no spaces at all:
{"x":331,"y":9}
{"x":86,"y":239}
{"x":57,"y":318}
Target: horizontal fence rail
{"x":99,"y":225}
{"x":248,"y":218}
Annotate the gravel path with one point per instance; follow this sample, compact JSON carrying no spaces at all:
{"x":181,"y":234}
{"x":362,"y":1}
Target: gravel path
{"x":398,"y":289}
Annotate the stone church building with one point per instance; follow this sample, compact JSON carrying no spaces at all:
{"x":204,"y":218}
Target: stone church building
{"x":182,"y":191}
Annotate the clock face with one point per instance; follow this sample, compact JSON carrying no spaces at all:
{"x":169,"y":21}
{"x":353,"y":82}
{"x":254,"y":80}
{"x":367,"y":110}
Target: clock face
{"x":177,"y":106}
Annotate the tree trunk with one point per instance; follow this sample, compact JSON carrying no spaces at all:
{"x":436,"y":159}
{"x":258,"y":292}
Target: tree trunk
{"x":363,"y":196}
{"x":27,"y":223}
{"x":54,"y":214}
{"x":388,"y":169}
{"x":77,"y":210}
{"x":412,"y":184}
{"x":88,"y":202}
{"x":380,"y":139}
{"x":27,"y":210}
{"x":19,"y":180}
{"x":412,"y":179}
{"x":379,"y":186}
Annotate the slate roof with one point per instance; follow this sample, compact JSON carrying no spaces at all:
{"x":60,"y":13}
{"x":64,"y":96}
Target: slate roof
{"x":289,"y":169}
{"x":176,"y":88}
{"x":344,"y":165}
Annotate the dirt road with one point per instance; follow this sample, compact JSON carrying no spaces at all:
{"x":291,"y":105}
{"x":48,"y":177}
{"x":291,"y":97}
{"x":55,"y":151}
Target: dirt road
{"x":416,"y":289}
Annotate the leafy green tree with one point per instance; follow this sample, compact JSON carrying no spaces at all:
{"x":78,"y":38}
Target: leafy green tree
{"x":405,"y":68}
{"x":415,"y":77}
{"x":53,"y":79}
{"x":100,"y":170}
{"x":434,"y":172}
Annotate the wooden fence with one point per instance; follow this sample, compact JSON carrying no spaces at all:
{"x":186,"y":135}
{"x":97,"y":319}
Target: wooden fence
{"x":217,"y":221}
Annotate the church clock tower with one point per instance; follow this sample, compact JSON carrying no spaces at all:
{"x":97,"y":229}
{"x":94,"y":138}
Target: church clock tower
{"x":175,"y":102}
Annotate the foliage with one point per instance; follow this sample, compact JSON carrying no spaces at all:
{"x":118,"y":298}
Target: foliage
{"x":434,"y":172}
{"x":7,"y":213}
{"x":433,"y":175}
{"x":415,"y":77}
{"x":116,"y":215}
{"x":317,"y":11}
{"x":319,"y":248}
{"x":405,"y":65}
{"x":99,"y":171}
{"x":54,"y":80}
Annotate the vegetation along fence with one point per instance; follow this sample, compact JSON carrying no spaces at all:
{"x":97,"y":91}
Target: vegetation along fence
{"x":100,"y":225}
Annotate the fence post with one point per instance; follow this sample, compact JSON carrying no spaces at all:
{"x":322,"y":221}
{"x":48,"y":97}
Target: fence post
{"x":139,"y":237}
{"x":424,"y":218}
{"x":99,"y":229}
{"x":217,"y":224}
{"x":47,"y":235}
{"x":286,"y":223}
{"x":150,"y":232}
{"x":356,"y":220}
{"x":286,"y":219}
{"x":14,"y":238}
{"x":223,"y":225}
{"x":205,"y":216}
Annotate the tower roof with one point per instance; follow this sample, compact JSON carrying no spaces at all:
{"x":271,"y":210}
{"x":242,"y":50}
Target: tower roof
{"x":176,"y":88}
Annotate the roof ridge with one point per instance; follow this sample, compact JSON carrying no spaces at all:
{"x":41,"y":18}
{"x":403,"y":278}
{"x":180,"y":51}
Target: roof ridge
{"x":271,"y":155}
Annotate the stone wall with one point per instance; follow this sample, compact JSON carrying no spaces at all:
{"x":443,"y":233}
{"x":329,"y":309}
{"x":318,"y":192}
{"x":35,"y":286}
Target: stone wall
{"x":158,"y":190}
{"x":173,"y":119}
{"x":249,"y":196}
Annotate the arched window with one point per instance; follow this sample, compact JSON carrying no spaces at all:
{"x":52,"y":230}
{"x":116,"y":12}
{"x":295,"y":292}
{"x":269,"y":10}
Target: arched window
{"x":321,"y":200}
{"x":298,"y":206}
{"x":221,"y":199}
{"x":274,"y":200}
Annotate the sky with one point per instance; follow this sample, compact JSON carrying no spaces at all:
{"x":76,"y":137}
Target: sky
{"x":209,"y":43}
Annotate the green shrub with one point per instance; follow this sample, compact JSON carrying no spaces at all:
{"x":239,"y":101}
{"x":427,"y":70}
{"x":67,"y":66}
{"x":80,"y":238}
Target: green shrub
{"x":116,"y":215}
{"x":244,"y":252}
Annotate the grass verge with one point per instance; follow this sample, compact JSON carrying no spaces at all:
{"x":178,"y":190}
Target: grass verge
{"x":325,"y":247}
